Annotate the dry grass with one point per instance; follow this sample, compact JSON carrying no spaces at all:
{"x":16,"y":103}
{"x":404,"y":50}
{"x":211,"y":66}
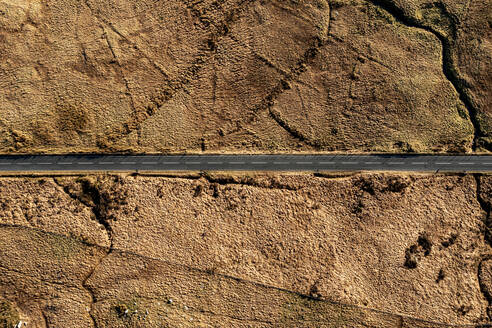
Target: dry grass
{"x":277,"y":76}
{"x":250,"y":250}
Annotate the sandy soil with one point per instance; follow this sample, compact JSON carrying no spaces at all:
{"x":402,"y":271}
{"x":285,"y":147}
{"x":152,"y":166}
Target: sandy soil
{"x":365,"y":250}
{"x":231,"y":75}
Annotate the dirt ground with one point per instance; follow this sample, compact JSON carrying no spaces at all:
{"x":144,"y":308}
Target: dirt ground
{"x":245,"y":75}
{"x":257,"y":250}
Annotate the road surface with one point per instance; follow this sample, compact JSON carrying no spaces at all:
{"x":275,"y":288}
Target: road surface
{"x":313,"y":163}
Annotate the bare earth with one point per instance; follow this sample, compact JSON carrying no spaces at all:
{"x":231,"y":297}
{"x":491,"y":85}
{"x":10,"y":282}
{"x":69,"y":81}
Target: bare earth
{"x":367,"y":250}
{"x":245,"y":75}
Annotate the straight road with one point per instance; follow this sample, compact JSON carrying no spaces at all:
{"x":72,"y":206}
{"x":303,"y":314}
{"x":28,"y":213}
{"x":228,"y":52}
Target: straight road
{"x":386,"y":162}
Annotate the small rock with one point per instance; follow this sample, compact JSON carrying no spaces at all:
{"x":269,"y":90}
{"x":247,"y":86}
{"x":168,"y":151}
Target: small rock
{"x":186,"y":308}
{"x":170,"y":301}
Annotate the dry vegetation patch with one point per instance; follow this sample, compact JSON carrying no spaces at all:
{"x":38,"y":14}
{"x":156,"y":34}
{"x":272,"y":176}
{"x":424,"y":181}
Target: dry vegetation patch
{"x":252,"y":250}
{"x":250,"y":75}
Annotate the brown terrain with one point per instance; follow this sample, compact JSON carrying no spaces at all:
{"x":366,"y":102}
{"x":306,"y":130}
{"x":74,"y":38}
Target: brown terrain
{"x":258,"y":249}
{"x":245,"y":75}
{"x":200,"y":250}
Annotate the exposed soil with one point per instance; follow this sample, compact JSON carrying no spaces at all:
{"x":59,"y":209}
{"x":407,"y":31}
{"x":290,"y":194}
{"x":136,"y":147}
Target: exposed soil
{"x":251,"y":250}
{"x":245,"y":75}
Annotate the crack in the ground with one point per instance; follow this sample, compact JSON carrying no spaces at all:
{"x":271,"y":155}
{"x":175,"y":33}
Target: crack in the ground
{"x":330,"y":19}
{"x":486,"y":207}
{"x":485,"y":289}
{"x":45,"y":319}
{"x":89,"y":289}
{"x":97,"y":202}
{"x":449,"y":66}
{"x":66,"y":190}
{"x":94,"y":204}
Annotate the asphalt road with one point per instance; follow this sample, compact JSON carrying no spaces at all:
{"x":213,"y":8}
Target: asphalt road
{"x":423,"y":163}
